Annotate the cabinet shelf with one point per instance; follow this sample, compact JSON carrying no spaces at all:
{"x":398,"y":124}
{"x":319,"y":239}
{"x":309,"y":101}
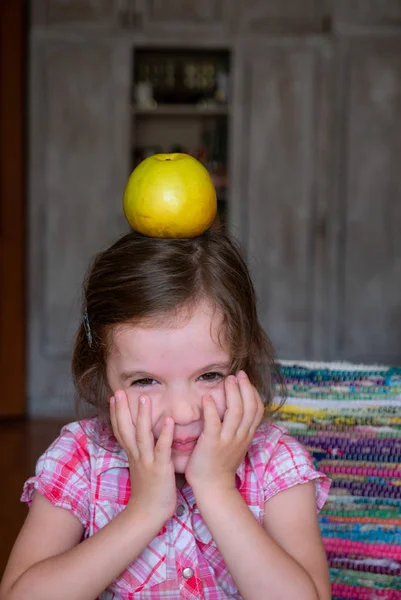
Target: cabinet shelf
{"x":181,"y":110}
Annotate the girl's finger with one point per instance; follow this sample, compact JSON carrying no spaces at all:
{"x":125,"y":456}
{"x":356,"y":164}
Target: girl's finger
{"x":113,"y":419}
{"x":165,"y":441}
{"x":249,"y":398}
{"x":133,"y":407}
{"x":212,"y":423}
{"x":124,"y":423}
{"x":144,"y":434}
{"x":235,"y":408}
{"x":260,"y":413}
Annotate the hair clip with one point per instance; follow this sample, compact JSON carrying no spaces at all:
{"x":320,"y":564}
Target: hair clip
{"x":87,"y":328}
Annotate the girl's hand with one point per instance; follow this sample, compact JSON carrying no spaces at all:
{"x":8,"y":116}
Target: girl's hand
{"x":223,"y":445}
{"x":153,"y":489}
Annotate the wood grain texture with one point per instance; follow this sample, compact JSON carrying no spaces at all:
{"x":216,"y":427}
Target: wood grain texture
{"x":282,"y":109}
{"x":185,"y":11}
{"x":186,"y":16}
{"x":377,"y":13}
{"x":80,"y":151}
{"x":371,"y":254}
{"x":282,"y":16}
{"x":67,"y":12}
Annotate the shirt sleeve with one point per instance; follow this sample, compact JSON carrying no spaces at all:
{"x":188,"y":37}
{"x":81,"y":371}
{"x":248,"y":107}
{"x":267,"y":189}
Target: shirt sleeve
{"x":63,"y":475}
{"x":291,"y":464}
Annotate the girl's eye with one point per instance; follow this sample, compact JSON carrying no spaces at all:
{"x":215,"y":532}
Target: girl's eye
{"x":144,"y":382}
{"x":211,"y":376}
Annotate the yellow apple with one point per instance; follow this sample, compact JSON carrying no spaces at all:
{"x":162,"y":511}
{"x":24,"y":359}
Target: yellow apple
{"x":170,"y":196}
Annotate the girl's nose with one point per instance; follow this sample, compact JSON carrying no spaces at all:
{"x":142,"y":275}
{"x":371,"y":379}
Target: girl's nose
{"x":185,"y":407}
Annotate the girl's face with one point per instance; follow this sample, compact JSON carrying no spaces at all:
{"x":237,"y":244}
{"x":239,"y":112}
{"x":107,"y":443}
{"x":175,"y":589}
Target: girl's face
{"x":175,"y":365}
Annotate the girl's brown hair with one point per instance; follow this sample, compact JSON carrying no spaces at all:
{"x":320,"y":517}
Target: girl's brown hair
{"x":141,"y":278}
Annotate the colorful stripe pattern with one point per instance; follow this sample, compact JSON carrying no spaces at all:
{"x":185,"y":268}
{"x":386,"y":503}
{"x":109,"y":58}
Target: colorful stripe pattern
{"x":349,"y":418}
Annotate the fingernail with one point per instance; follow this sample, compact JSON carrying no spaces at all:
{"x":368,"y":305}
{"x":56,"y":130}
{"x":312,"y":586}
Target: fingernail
{"x":232,"y":379}
{"x":117,"y":396}
{"x":142,"y":399}
{"x":242,"y":374}
{"x":112,"y":401}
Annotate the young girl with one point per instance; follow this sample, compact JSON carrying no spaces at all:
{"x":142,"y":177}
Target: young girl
{"x":178,"y":488}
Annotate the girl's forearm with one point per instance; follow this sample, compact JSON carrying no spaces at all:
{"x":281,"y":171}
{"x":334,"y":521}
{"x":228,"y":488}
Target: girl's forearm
{"x":86,"y":570}
{"x":259,"y":567}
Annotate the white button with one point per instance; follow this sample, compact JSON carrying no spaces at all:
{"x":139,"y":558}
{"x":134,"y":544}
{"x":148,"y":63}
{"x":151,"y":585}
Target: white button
{"x":188,"y":572}
{"x":180,"y":510}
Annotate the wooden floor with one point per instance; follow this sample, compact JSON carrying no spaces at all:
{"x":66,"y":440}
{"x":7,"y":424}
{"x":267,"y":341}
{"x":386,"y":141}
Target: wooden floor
{"x":21,"y":444}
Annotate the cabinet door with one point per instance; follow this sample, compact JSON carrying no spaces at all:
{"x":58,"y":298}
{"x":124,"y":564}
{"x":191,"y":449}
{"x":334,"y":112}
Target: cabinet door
{"x":79,"y":163}
{"x":280,"y":164}
{"x":370,"y":267}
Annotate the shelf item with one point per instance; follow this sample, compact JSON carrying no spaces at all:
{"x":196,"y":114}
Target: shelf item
{"x":181,"y":76}
{"x":181,"y":103}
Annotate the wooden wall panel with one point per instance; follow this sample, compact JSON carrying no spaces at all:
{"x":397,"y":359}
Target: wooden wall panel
{"x":80,"y":151}
{"x":280,"y":203}
{"x":370,"y":285}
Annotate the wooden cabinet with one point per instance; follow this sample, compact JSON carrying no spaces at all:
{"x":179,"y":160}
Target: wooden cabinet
{"x":370,"y":207}
{"x":314,"y":150}
{"x":317,"y":194}
{"x":80,"y":122}
{"x":281,"y":152}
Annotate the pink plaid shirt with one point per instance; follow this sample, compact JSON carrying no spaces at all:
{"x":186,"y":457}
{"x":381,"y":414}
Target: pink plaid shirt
{"x":182,"y":562}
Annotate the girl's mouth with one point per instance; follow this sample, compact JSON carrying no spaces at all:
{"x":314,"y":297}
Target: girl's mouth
{"x":186,"y":445}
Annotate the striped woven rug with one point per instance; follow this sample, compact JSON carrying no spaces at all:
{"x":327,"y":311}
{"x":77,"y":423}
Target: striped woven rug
{"x":349,"y":417}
